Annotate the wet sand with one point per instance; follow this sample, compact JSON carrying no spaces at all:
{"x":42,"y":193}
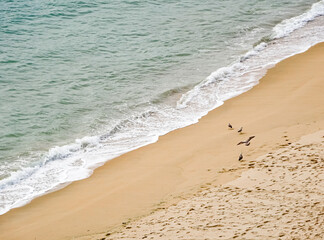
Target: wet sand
{"x":288,"y":102}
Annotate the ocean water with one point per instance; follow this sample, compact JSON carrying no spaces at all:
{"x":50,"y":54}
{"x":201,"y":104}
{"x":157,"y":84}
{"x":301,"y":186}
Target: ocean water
{"x":82,"y":82}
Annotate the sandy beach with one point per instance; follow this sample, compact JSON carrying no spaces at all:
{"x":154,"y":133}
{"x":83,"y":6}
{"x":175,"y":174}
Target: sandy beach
{"x":279,"y":197}
{"x":190,"y":184}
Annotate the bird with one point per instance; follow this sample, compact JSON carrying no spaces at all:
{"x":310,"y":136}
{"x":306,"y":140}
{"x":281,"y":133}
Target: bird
{"x":240,"y":130}
{"x":247,"y":141}
{"x":240,"y":157}
{"x":247,"y":144}
{"x":230,"y":126}
{"x":242,"y":142}
{"x":250,"y":138}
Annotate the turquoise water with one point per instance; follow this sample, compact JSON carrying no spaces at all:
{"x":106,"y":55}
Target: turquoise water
{"x":113,"y":74}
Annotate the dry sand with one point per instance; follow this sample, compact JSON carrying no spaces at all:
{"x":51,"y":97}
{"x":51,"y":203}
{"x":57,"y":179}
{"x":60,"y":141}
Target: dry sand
{"x":288,"y":102}
{"x":279,"y":197}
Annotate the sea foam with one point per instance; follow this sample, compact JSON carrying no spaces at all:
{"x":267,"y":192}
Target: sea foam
{"x":289,"y":25}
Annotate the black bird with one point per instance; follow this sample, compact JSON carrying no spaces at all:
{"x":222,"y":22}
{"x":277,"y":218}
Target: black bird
{"x":240,"y":157}
{"x":230,"y":126}
{"x":247,"y":141}
{"x":240,"y":130}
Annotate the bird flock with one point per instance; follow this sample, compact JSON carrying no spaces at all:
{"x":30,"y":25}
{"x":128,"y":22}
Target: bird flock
{"x":246,"y":142}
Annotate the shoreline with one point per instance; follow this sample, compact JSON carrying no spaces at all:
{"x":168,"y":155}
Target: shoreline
{"x":181,"y":161}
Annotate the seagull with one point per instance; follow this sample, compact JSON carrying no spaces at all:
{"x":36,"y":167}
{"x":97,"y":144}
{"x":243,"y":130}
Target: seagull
{"x":250,"y":138}
{"x":242,"y":142}
{"x":230,"y":126}
{"x":240,"y":157}
{"x":247,"y":141}
{"x":240,"y":130}
{"x":247,"y":144}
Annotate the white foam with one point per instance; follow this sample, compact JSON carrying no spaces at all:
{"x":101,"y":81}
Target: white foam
{"x":289,"y":25}
{"x":243,"y":74}
{"x":199,"y":95}
{"x":254,"y":51}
